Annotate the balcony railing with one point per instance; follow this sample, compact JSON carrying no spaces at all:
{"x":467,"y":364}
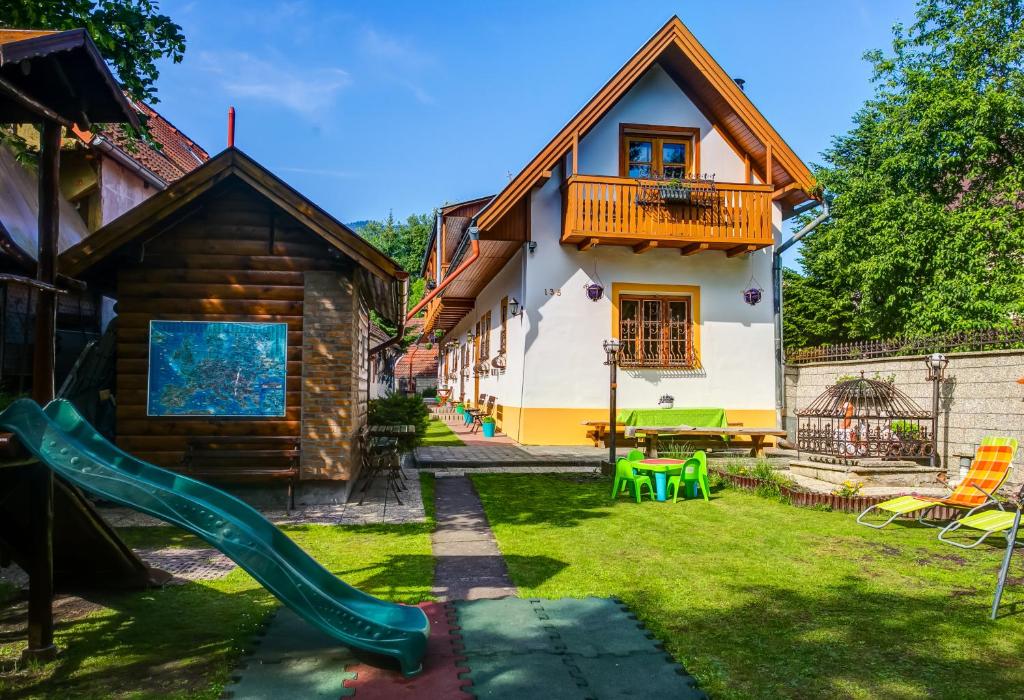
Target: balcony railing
{"x":616,"y":210}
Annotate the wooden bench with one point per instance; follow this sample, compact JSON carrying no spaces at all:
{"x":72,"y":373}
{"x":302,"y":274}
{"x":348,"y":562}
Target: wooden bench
{"x":599,"y":433}
{"x":650,"y":434}
{"x":238,"y":458}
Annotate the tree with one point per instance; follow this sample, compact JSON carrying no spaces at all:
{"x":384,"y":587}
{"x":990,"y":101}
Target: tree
{"x":131,"y":35}
{"x":926,"y":233}
{"x":405,"y":243}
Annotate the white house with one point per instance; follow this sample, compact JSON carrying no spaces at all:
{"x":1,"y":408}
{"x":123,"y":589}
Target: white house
{"x":668,"y":191}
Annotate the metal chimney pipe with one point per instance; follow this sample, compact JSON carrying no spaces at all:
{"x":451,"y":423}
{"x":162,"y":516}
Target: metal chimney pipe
{"x":231,"y":127}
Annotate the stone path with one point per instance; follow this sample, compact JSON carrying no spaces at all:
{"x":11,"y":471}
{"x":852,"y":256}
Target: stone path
{"x":378,"y":507}
{"x":188,"y":564}
{"x":472,"y":456}
{"x":468,"y":564}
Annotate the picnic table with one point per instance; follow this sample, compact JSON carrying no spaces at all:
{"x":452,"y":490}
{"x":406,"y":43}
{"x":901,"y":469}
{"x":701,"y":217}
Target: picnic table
{"x":659,"y":468}
{"x":651,"y":433}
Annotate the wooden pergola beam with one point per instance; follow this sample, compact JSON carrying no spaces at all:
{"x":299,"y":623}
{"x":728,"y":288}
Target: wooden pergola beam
{"x":587,"y":244}
{"x":644,"y":246}
{"x":691,"y":248}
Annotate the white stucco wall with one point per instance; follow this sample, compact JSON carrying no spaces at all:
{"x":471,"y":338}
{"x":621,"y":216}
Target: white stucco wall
{"x":555,"y":358}
{"x":120,"y":190}
{"x":657,"y":100}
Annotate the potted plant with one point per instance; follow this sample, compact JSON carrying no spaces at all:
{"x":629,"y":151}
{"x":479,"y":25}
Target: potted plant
{"x":667,"y":401}
{"x":488,"y":425}
{"x":460,"y":409}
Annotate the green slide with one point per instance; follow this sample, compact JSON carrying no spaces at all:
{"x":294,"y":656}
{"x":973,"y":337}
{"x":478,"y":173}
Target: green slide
{"x":66,"y":443}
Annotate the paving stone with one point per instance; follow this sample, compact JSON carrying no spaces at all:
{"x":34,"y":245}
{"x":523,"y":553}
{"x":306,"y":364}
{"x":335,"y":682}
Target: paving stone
{"x":189,"y":564}
{"x":468,"y":563}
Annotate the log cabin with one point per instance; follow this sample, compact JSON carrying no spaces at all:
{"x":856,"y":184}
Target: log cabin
{"x":231,"y":244}
{"x":651,"y":217}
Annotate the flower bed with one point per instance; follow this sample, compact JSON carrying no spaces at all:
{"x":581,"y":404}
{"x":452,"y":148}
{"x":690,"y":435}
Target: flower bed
{"x":813,"y":499}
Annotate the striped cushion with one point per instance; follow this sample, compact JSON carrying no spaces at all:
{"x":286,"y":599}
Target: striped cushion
{"x":989,"y":470}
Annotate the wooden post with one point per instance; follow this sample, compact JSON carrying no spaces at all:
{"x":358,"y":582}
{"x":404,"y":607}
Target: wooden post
{"x":575,"y":152}
{"x":769,"y":166}
{"x":40,"y":601}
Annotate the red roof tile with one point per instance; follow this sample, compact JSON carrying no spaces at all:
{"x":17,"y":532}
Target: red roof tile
{"x":424,"y":362}
{"x":178,"y":155}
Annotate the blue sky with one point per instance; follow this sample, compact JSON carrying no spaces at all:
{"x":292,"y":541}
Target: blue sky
{"x":371,"y":107}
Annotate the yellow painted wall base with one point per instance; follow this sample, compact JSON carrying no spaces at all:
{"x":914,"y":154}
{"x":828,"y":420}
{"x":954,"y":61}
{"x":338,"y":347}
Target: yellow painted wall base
{"x":564,"y":426}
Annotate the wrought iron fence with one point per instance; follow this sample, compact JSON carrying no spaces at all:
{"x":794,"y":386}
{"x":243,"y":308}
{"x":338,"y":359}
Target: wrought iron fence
{"x":963,"y":341}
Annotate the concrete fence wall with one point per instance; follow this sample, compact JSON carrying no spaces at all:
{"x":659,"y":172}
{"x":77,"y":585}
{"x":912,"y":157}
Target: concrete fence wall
{"x":980,"y":396}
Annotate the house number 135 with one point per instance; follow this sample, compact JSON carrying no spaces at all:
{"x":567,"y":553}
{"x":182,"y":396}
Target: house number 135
{"x":552,"y":292}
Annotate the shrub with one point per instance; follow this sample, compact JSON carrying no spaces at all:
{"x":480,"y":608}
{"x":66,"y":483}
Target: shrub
{"x":429,"y":393}
{"x":398,"y":409}
{"x":848,"y":489}
{"x":675,"y":449}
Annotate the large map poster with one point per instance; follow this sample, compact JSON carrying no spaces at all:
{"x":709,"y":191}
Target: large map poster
{"x":201,"y":368}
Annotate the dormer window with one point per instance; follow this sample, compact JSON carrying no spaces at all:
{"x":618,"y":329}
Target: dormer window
{"x":658,"y":151}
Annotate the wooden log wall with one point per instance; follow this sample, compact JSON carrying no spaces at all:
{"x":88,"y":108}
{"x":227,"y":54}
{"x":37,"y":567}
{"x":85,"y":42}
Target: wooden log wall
{"x":237,"y":258}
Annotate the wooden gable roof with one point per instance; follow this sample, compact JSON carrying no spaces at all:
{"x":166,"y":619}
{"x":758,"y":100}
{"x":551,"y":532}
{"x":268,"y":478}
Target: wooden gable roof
{"x":153,"y":215}
{"x":707,"y":84}
{"x":59,"y":76}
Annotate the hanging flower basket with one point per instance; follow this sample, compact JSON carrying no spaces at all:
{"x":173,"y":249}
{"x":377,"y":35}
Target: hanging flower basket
{"x":753,"y":293}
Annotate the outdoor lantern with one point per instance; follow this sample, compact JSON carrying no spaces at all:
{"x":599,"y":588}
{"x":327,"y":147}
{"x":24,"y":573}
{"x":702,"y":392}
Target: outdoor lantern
{"x":594,"y":292}
{"x":469,"y":336}
{"x":611,"y":349}
{"x":513,"y":307}
{"x":431,"y":284}
{"x":936,"y":364}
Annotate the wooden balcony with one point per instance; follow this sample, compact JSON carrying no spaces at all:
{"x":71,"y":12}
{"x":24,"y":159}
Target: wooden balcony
{"x":599,"y":210}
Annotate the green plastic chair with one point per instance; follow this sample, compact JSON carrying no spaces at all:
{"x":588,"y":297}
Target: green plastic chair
{"x":625,"y":475}
{"x":693,"y":471}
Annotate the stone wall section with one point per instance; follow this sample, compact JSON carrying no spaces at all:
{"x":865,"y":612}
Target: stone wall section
{"x":980,"y":396}
{"x":331,"y":410}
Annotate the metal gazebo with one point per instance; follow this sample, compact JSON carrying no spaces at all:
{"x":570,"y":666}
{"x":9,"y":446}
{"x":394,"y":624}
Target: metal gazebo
{"x":865,"y":418}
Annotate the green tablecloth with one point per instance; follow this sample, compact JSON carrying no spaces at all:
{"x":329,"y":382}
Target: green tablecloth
{"x":696,"y":417}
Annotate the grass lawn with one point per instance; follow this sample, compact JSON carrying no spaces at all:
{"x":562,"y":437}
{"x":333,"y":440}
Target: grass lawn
{"x":440,"y":435}
{"x":759,"y":599}
{"x":183,"y":641}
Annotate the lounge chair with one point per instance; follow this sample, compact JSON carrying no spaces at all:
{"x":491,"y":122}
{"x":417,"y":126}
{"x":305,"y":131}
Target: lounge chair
{"x":989,"y":522}
{"x":991,"y":466}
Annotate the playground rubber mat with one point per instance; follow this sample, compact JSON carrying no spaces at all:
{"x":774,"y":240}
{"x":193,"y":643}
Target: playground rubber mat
{"x":293,"y":659}
{"x":572,"y":649}
{"x":568,"y":649}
